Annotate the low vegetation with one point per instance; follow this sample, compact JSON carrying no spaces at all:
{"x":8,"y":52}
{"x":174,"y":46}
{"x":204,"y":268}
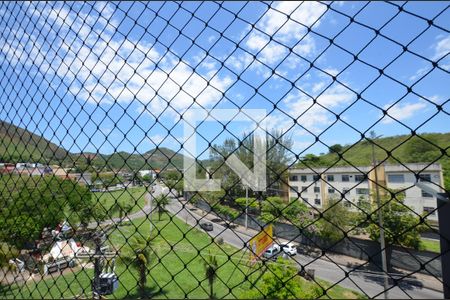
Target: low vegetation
{"x":176,"y":269}
{"x":118,"y":203}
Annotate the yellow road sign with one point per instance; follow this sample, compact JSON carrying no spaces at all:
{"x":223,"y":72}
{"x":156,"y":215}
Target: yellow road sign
{"x":260,"y":242}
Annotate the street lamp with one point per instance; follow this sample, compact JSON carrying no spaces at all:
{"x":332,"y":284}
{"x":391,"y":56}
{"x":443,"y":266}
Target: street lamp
{"x":380,"y":218}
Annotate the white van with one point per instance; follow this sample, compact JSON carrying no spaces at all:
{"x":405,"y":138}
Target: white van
{"x":272,"y":251}
{"x":289,"y":248}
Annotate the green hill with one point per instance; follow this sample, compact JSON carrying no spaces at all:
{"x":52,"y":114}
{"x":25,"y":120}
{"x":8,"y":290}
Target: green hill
{"x":20,"y":145}
{"x":156,"y":158}
{"x":425,"y":148}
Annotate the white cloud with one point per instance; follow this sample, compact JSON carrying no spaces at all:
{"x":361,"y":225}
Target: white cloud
{"x":310,"y":115}
{"x":275,"y":23}
{"x":106,"y":68}
{"x":306,"y":13}
{"x":157,"y":139}
{"x":419,"y":73}
{"x":239,"y":62}
{"x":271,"y":52}
{"x":441,"y":48}
{"x":403,"y":111}
{"x":318,"y":86}
{"x":331,"y":71}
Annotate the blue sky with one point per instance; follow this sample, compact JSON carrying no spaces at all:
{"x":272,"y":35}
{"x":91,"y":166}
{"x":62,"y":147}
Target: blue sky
{"x":117,"y":76}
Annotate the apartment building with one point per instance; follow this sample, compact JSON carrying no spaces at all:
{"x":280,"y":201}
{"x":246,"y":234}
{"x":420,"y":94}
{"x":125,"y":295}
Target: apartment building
{"x":318,"y":185}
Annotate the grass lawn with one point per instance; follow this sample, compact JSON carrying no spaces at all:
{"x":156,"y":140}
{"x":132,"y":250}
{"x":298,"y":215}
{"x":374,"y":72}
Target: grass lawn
{"x":430,"y":245}
{"x":177,"y":270}
{"x":134,"y":197}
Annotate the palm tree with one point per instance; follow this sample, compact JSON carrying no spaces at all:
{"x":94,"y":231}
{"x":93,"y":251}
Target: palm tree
{"x":128,"y":207}
{"x":161,"y":202}
{"x":142,"y":253}
{"x":211,"y":267}
{"x":116,"y":208}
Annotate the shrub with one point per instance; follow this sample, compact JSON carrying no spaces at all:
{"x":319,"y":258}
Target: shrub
{"x":243,"y":201}
{"x":228,"y":212}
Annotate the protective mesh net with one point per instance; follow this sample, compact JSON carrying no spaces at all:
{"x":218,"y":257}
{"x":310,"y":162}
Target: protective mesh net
{"x":120,"y":123}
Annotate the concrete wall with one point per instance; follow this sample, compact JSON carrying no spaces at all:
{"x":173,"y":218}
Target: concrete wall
{"x":407,"y":259}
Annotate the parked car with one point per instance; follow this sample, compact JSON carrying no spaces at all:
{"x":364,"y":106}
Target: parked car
{"x":289,"y":248}
{"x":207,"y":226}
{"x":272,"y":251}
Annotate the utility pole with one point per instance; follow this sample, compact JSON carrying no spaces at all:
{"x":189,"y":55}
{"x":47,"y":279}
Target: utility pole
{"x":380,"y":221}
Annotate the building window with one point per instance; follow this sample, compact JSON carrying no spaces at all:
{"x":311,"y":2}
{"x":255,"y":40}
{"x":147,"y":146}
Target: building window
{"x":303,"y":178}
{"x":429,"y":210}
{"x":345,"y":178}
{"x":316,"y":189}
{"x":294,"y":178}
{"x":345,"y":191}
{"x":359,"y":178}
{"x":317,"y":201}
{"x":316,"y":177}
{"x":362,"y":191}
{"x":347,"y":204}
{"x":426,"y":195}
{"x":396,"y":178}
{"x":330,"y":191}
{"x":294,"y":189}
{"x":330,"y":177}
{"x":304,"y":189}
{"x":425,"y":177}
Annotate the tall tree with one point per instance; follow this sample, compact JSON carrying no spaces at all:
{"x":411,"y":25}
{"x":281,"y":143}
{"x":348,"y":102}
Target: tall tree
{"x":335,"y":221}
{"x":401,"y":226}
{"x":278,"y":159}
{"x":211,"y":267}
{"x":140,"y":260}
{"x":161,"y":202}
{"x":29,"y":204}
{"x":275,"y":209}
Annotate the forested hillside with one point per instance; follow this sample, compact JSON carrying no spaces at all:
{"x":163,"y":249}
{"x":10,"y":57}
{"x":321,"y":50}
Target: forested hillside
{"x":426,"y":148}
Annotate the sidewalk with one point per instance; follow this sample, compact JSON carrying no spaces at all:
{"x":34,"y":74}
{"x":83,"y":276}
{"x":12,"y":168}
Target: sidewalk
{"x":357,"y":265}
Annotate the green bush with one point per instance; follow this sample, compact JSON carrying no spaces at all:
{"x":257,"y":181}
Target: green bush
{"x":226,"y":211}
{"x":281,"y":281}
{"x":335,"y":221}
{"x":7,"y":252}
{"x":243,"y":201}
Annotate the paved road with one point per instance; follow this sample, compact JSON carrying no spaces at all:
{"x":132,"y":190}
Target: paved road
{"x":367,"y":283}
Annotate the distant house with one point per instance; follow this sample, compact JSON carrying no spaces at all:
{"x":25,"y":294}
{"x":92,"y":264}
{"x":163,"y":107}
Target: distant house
{"x":32,"y":169}
{"x":150,"y":173}
{"x":7,"y":168}
{"x":59,"y":172}
{"x":81,"y":178}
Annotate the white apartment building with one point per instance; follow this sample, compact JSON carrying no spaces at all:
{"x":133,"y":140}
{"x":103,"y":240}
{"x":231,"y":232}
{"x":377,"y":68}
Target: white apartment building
{"x":316,"y":186}
{"x":150,"y":173}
